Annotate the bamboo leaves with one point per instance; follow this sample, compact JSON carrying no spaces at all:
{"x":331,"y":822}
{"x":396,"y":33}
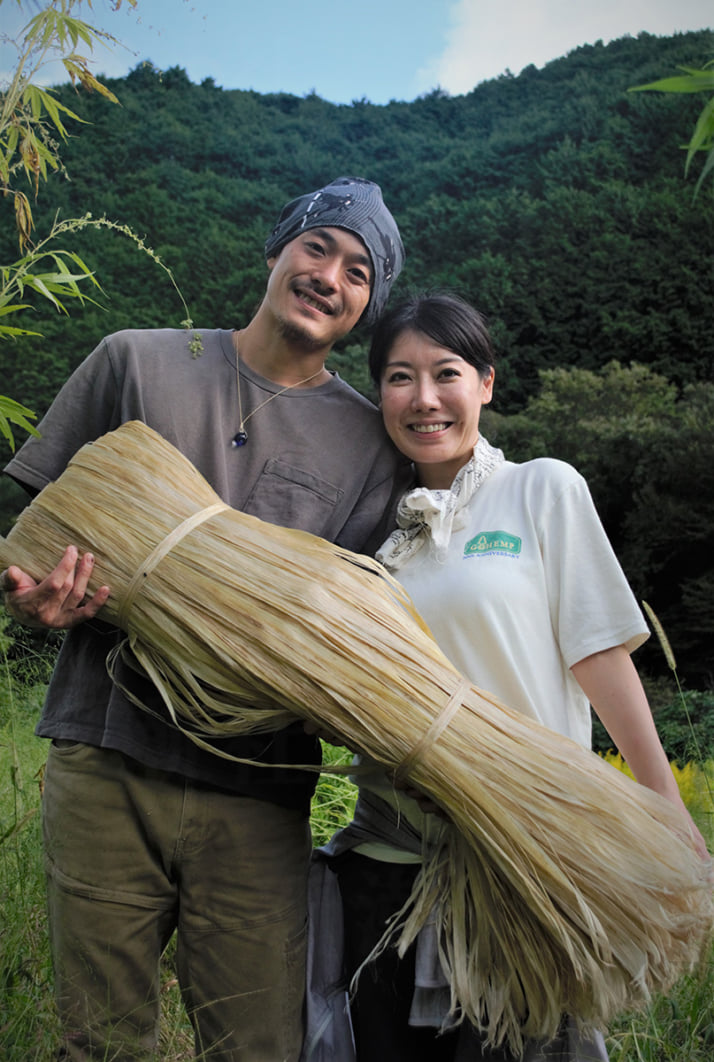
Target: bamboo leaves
{"x":11,"y":412}
{"x":54,"y":273}
{"x":702,"y":138}
{"x":31,"y":116}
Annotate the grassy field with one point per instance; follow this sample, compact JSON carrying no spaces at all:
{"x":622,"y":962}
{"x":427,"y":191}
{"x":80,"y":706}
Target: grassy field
{"x":678,"y":1028}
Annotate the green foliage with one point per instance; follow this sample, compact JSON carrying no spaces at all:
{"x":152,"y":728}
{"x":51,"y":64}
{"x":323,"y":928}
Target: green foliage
{"x":668,"y":539}
{"x":51,"y":272}
{"x":553,"y":200}
{"x":26,"y":1012}
{"x":351,"y":364}
{"x":678,"y":1027}
{"x":32,"y":116}
{"x":334,"y":799}
{"x":685,"y":726}
{"x":28,"y":657}
{"x":29,"y":1023}
{"x":12,"y":412}
{"x":30,"y":113}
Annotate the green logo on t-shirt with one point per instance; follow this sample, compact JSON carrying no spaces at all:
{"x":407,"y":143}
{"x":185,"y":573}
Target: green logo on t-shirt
{"x":493,"y":542}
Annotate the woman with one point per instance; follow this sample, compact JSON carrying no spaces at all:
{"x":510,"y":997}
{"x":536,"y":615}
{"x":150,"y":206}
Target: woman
{"x":511,"y":569}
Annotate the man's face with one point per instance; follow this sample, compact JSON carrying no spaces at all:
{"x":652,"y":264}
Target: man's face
{"x":319,"y":286}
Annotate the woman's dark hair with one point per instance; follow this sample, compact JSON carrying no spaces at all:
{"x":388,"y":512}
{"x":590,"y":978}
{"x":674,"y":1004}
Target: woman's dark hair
{"x":446,"y":319}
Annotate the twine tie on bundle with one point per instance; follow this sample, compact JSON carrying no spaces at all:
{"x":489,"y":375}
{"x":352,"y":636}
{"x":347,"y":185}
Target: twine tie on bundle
{"x":431,"y":736}
{"x":158,"y":554}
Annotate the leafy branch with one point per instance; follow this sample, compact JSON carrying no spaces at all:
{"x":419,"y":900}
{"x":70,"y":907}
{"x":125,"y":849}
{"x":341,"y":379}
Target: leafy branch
{"x":702,"y":138}
{"x":53,"y":273}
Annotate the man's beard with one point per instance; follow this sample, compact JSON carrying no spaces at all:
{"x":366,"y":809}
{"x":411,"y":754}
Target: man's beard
{"x":298,"y":336}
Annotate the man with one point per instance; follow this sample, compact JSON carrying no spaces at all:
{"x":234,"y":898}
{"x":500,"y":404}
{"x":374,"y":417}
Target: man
{"x":144,"y":832}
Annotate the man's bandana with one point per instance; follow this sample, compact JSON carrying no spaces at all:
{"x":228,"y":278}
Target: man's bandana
{"x":355,"y":204}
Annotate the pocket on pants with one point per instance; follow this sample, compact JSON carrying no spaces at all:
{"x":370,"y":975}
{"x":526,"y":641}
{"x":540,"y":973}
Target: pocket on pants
{"x":66,"y":746}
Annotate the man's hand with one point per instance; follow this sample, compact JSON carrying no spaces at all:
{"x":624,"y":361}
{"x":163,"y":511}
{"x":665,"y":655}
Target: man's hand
{"x":58,"y":601}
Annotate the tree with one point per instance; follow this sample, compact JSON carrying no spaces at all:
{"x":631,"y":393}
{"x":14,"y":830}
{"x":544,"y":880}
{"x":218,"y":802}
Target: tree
{"x":668,"y":542}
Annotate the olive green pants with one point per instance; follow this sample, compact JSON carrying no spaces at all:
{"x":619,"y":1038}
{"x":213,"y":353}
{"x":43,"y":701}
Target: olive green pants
{"x":134,"y":854}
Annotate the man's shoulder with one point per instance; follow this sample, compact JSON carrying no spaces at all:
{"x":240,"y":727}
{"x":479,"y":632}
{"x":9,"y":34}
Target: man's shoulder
{"x":168,"y":353}
{"x":193,"y":341}
{"x":349,"y":395}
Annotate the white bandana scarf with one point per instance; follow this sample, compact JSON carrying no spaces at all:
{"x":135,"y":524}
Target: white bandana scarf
{"x":433,"y":514}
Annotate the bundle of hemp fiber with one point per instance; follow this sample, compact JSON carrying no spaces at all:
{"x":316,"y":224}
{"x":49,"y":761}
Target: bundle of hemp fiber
{"x":560,"y":885}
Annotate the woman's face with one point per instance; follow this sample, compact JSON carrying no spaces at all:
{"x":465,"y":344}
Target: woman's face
{"x":431,"y":403}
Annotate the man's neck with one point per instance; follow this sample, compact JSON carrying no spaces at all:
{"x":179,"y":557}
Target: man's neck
{"x":276,"y":357}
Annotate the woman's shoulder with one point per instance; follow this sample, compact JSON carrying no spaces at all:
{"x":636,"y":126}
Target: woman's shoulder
{"x":542,"y":485}
{"x":549,"y":471}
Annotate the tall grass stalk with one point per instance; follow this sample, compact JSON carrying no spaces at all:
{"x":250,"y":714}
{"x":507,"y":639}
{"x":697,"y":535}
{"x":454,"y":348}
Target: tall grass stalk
{"x":672,"y":664}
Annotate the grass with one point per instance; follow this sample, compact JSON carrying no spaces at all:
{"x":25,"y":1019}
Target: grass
{"x":676,"y":1028}
{"x":27,"y":1017}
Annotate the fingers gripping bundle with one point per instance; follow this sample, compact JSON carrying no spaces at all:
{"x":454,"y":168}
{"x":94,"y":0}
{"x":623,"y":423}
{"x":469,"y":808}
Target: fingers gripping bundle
{"x":561,"y":887}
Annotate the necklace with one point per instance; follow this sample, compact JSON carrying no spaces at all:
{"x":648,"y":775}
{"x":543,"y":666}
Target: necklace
{"x":241,"y":436}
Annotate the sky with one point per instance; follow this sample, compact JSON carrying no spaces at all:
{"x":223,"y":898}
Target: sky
{"x":379,"y":50}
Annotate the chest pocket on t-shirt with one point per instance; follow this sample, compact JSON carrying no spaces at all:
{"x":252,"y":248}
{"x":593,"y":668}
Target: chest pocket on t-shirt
{"x":292,"y":497}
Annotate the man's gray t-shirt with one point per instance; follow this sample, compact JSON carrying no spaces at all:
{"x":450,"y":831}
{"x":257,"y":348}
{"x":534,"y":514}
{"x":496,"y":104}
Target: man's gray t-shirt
{"x":317,"y":459}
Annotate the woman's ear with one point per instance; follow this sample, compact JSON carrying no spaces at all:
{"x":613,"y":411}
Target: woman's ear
{"x":487,"y":386}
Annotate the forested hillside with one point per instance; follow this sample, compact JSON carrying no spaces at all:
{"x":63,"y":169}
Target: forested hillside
{"x":554,"y":200}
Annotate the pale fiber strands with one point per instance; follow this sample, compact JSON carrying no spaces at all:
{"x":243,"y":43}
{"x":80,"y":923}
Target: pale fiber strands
{"x":562,"y":887}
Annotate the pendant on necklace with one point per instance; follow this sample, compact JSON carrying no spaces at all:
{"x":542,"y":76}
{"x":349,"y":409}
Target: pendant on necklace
{"x":239,"y":439}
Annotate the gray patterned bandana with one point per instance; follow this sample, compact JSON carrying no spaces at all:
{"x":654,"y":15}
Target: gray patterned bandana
{"x":431,"y":515}
{"x":355,"y":204}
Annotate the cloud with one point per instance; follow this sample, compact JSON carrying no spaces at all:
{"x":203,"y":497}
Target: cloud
{"x":486,"y":37}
